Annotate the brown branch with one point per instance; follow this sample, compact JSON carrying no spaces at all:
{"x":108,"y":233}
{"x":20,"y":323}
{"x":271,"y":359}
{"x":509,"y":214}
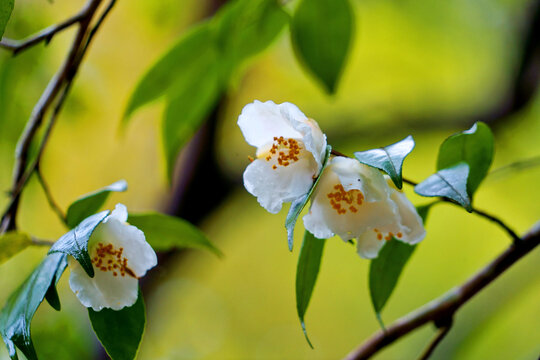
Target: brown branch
{"x":441,"y":334}
{"x":447,"y":305}
{"x":59,"y":84}
{"x":50,"y":198}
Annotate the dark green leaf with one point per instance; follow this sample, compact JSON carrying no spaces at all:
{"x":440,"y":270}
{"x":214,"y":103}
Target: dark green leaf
{"x":307,"y":271}
{"x":298,"y":205}
{"x":245,"y":28}
{"x":52,"y":294}
{"x":188,"y":107}
{"x":450,"y":183}
{"x":174,"y":69}
{"x":75,"y":242}
{"x":17,"y":314}
{"x":384,"y":272}
{"x":475,"y":147}
{"x":6,"y":7}
{"x":321,"y":33}
{"x":389,"y":158}
{"x":164,"y":232}
{"x":90,"y":203}
{"x":11,"y":243}
{"x":120,"y":332}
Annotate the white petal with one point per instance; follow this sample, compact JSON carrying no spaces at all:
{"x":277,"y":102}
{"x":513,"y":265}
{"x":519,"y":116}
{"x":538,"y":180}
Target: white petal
{"x":369,"y":245}
{"x":273,"y":187}
{"x":103,"y":290}
{"x":313,"y":138}
{"x":412,"y":222}
{"x":354,"y":175}
{"x":261,"y":122}
{"x":119,"y":213}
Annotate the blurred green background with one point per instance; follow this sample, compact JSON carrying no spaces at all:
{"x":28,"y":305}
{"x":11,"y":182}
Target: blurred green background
{"x":416,"y":67}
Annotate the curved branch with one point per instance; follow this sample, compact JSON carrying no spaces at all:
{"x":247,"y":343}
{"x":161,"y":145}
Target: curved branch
{"x":447,"y":305}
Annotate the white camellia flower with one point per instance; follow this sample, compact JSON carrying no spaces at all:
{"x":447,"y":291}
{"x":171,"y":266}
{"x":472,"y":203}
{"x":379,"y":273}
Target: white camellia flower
{"x":290,"y":152}
{"x":120,"y":256}
{"x":353,"y":200}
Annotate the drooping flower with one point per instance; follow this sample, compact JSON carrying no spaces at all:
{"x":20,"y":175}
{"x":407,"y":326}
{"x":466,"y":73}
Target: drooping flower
{"x":290,"y":152}
{"x":353,"y":200}
{"x":120,"y":256}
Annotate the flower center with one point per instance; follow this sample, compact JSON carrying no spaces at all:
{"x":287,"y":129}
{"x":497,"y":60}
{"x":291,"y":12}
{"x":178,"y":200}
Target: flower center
{"x":343,"y":201}
{"x":388,"y":236}
{"x":284,"y":151}
{"x":108,"y":258}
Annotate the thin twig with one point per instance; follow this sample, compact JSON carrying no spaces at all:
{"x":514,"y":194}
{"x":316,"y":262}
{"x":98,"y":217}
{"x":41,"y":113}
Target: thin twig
{"x":50,"y":198}
{"x":443,"y":331}
{"x":41,"y":242}
{"x":44,"y":35}
{"x":447,"y":305}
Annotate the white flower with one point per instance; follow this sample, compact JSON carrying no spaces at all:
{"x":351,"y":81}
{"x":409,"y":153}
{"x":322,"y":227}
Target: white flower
{"x":353,"y":200}
{"x":120,"y":256}
{"x":290,"y":152}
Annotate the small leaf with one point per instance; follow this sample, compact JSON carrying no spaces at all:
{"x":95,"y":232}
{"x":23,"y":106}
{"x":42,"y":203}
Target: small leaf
{"x":475,"y":147}
{"x":6,"y":7}
{"x":384,"y":272}
{"x":90,"y":203}
{"x":75,"y":242}
{"x":321,"y":33}
{"x":450,"y":183}
{"x":17,"y":314}
{"x":389,"y":158}
{"x":120,"y":332}
{"x":174,"y":69}
{"x":11,"y":243}
{"x":298,"y":205}
{"x":164,"y":232}
{"x":307,"y":271}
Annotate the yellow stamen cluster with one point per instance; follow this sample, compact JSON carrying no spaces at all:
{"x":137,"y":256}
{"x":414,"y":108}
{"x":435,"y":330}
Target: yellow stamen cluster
{"x":342,"y":200}
{"x":388,"y":236}
{"x":287,"y":151}
{"x":108,"y":258}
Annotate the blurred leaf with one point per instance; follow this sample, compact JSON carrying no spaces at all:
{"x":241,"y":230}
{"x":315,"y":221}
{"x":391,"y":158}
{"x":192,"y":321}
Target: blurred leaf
{"x":75,"y":242}
{"x":389,"y":158}
{"x":11,"y":243}
{"x":164,"y":232}
{"x":188,"y":107}
{"x":120,"y":332}
{"x":90,"y":203}
{"x":450,"y":183}
{"x":307,"y":271}
{"x":21,"y":306}
{"x":6,"y":7}
{"x":475,"y":147}
{"x":52,"y":294}
{"x":245,"y":28}
{"x":298,"y":205}
{"x":174,"y":69}
{"x":321,"y":33}
{"x":385,"y":270}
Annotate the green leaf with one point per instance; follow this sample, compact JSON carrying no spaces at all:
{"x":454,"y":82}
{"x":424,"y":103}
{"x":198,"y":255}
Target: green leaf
{"x":6,"y":7}
{"x":164,"y":232}
{"x":11,"y":243}
{"x":52,"y":294}
{"x":307,"y":271}
{"x":298,"y":205}
{"x":475,"y":147}
{"x":245,"y":28}
{"x":174,"y":69}
{"x":75,"y":242}
{"x":188,"y":107}
{"x":450,"y":183}
{"x":389,"y":158}
{"x":90,"y":203}
{"x":17,"y":314}
{"x":120,"y":332}
{"x":321,"y":33}
{"x":384,"y":272}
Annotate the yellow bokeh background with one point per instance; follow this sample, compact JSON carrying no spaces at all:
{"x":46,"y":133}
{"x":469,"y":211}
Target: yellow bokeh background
{"x":416,"y":67}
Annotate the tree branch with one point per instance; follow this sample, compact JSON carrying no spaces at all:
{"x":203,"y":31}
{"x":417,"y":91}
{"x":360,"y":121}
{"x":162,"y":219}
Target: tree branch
{"x":441,"y":334}
{"x":59,"y":84}
{"x":447,"y":305}
{"x":50,"y":198}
